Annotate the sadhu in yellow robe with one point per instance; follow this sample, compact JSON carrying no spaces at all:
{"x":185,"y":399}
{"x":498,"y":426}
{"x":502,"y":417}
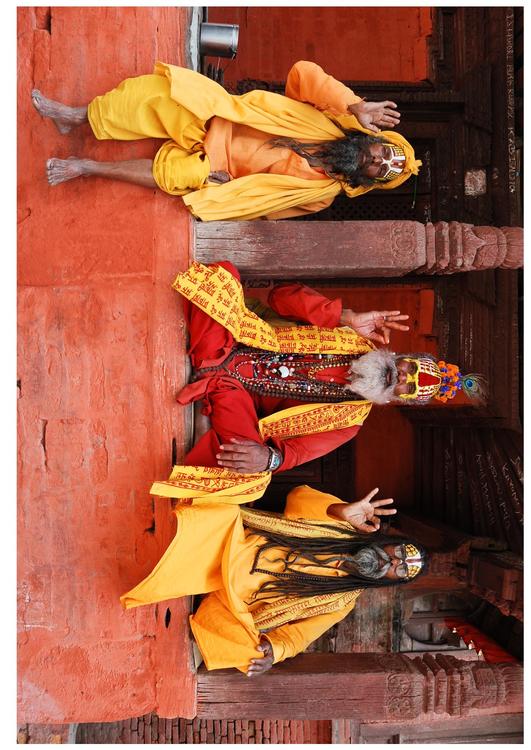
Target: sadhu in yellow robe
{"x":210,"y":130}
{"x":213,"y":553}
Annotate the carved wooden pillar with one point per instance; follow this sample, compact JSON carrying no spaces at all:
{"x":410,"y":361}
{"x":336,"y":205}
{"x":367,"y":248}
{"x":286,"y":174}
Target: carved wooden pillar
{"x":385,"y":687}
{"x":314,"y":249}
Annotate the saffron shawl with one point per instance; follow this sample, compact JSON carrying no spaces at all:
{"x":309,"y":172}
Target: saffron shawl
{"x":200,"y":485}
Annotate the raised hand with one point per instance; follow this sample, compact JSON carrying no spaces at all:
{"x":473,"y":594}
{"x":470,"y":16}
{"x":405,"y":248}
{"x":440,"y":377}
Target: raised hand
{"x":367,"y":324}
{"x":259,"y":666}
{"x":375,"y":115}
{"x":245,"y":456}
{"x":363,"y":515}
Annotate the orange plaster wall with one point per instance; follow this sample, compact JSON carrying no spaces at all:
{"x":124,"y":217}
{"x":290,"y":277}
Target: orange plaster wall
{"x":354,"y":44}
{"x":101,"y":338}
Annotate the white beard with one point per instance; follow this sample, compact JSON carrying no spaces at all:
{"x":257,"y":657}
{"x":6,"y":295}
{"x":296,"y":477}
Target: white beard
{"x":367,"y":562}
{"x":370,"y":376}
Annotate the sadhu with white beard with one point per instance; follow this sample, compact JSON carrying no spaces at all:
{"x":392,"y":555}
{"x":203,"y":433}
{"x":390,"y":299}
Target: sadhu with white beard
{"x":281,"y":395}
{"x":274,"y":583}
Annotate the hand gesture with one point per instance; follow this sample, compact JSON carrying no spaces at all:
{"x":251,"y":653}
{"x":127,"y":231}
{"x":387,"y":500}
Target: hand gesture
{"x":366,"y":324}
{"x":375,"y":115}
{"x":245,"y":456}
{"x":364,"y":514}
{"x":259,"y":666}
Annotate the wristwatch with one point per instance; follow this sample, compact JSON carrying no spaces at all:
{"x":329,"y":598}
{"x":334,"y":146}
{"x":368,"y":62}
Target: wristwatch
{"x":275,"y":459}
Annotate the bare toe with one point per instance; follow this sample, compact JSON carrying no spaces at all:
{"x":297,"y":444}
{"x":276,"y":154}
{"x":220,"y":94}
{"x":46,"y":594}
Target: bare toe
{"x":62,"y":170}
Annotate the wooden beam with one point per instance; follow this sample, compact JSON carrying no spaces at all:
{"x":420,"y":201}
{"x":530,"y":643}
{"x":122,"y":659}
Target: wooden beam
{"x":313,"y":249}
{"x":339,"y":249}
{"x":385,"y":687}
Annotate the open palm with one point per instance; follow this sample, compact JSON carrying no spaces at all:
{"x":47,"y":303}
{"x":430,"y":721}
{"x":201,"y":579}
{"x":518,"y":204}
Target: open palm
{"x":364,"y":515}
{"x":367,"y":324}
{"x":375,"y":115}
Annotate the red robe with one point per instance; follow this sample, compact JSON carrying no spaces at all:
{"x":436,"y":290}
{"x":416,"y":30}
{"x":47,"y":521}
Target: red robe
{"x":233,"y":411}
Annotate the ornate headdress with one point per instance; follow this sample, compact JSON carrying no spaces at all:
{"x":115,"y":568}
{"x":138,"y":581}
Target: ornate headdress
{"x":442,"y":381}
{"x":395,"y":165}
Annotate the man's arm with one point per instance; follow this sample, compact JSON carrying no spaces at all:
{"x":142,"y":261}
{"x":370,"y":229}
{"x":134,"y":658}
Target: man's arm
{"x":308,"y":82}
{"x":300,"y":302}
{"x":300,"y":450}
{"x":289,"y":640}
{"x":249,"y":456}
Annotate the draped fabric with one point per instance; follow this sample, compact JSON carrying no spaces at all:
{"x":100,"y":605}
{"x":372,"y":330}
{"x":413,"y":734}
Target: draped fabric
{"x":220,"y":295}
{"x":212,"y":553}
{"x":258,"y":195}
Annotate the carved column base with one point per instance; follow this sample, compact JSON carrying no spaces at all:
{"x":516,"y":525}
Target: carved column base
{"x":453,"y":247}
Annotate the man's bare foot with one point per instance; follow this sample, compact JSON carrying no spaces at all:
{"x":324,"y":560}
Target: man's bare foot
{"x":64,"y":117}
{"x":61,"y":170}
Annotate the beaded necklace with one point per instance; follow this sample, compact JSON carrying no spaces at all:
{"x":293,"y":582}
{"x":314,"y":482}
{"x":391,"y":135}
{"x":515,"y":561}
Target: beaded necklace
{"x":279,"y":375}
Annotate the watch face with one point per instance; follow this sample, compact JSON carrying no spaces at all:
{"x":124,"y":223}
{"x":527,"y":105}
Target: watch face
{"x":275,"y":459}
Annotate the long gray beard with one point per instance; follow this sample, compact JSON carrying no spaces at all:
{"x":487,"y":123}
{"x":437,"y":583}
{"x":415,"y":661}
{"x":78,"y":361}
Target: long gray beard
{"x":367,"y":562}
{"x":370,"y":376}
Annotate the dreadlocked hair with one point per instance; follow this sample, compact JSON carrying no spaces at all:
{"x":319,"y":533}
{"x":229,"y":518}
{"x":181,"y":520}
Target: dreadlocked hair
{"x":339,"y":157}
{"x":304,"y":551}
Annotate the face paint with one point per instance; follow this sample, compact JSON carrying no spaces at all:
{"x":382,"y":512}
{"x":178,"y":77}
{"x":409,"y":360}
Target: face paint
{"x":413,"y":560}
{"x":426,"y":378}
{"x":394,"y":165}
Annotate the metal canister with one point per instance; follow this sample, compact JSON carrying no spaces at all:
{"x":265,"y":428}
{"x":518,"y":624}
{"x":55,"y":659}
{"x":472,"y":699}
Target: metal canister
{"x":218,"y":39}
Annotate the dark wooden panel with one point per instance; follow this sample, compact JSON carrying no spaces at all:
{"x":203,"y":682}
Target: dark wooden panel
{"x":369,"y":627}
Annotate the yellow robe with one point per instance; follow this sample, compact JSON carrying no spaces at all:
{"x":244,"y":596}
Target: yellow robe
{"x":201,"y":99}
{"x":213,"y":553}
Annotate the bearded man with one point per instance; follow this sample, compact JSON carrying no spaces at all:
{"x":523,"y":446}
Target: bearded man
{"x":260,"y":155}
{"x":275,"y":583}
{"x":279,"y":396}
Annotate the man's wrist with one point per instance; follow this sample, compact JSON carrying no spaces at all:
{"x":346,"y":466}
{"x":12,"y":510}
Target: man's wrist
{"x":275,"y":459}
{"x":345,"y":319}
{"x":337,"y":510}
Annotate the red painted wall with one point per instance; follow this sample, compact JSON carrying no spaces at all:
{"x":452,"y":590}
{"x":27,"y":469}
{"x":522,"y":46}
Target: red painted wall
{"x":100,"y":332}
{"x":355,"y":44}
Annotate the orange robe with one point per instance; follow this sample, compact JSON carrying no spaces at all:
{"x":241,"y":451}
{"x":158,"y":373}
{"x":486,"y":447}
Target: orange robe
{"x":241,"y":150}
{"x":213,"y":553}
